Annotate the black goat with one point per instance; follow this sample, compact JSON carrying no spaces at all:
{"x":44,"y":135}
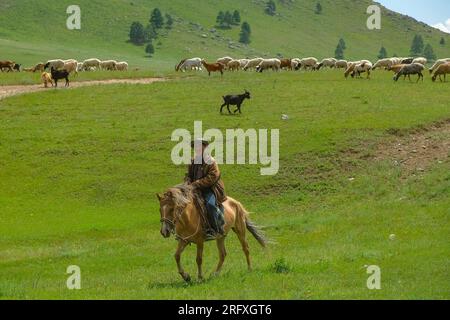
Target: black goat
{"x":60,"y":74}
{"x":235,"y":100}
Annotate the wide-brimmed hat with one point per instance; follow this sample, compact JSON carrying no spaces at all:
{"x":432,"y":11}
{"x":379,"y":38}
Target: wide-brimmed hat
{"x":198,"y":141}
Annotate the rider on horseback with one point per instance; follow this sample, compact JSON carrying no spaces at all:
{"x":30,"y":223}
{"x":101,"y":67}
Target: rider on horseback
{"x":204,"y":175}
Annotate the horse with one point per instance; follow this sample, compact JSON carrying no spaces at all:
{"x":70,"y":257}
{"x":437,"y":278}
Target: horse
{"x":181,"y":217}
{"x":189,"y":64}
{"x":213,"y":67}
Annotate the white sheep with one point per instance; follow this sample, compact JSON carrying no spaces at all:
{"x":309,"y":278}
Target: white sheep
{"x":327,"y":63}
{"x":253,"y":63}
{"x":306,"y":63}
{"x":122,"y":66}
{"x":274,"y":64}
{"x":91,"y":63}
{"x":224,"y":60}
{"x":56,"y":64}
{"x":423,"y":61}
{"x":341,"y":64}
{"x":108,"y":65}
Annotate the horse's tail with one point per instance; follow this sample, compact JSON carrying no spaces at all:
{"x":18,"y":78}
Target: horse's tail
{"x":254,"y":229}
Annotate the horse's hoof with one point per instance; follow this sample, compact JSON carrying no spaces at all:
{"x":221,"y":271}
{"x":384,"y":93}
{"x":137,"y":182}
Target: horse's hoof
{"x":187,"y":277}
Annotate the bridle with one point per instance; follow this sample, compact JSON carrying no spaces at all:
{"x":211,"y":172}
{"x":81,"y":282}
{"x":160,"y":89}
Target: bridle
{"x":172,"y":224}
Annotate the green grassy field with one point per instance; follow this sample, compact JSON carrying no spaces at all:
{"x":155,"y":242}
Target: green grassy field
{"x":35,"y":32}
{"x":79,"y":170}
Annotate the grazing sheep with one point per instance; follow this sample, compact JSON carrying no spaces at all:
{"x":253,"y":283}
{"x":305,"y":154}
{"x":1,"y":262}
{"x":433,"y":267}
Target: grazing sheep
{"x":341,"y":64}
{"x":71,"y":66}
{"x":224,"y":60}
{"x":327,"y":63}
{"x":60,"y":74}
{"x":396,"y":69}
{"x":46,"y":79}
{"x":122,"y":66}
{"x":253,"y":63}
{"x":443,"y":69}
{"x":438,"y":63}
{"x":109,"y":65}
{"x":407,"y":60}
{"x":423,"y":61}
{"x":189,"y":64}
{"x":286,"y":63}
{"x":7,"y":65}
{"x":410,"y":69}
{"x":306,"y":63}
{"x":351,"y":66}
{"x":364,"y":66}
{"x":234,"y":100}
{"x":55,"y":64}
{"x":243,"y":62}
{"x":91,"y":63}
{"x":39,"y":67}
{"x":383,"y":63}
{"x":79,"y":66}
{"x":294,"y":63}
{"x":274,"y":64}
{"x":234,"y":65}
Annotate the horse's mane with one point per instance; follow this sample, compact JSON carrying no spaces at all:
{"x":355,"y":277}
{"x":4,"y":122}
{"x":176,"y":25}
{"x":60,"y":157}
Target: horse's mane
{"x":184,"y":194}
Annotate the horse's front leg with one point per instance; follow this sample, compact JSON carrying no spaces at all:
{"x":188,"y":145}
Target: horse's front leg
{"x":200,"y":260}
{"x":181,"y":246}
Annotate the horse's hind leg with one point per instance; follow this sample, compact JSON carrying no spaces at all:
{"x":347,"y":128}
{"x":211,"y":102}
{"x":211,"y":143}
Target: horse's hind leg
{"x":222,"y":254}
{"x":245,"y":247}
{"x":181,"y":246}
{"x":200,"y":260}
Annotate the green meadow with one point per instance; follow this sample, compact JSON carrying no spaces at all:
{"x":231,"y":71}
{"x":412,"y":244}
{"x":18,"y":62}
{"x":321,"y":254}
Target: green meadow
{"x":79,"y":170}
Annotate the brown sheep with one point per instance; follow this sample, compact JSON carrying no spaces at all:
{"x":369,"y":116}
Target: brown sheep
{"x":443,"y":69}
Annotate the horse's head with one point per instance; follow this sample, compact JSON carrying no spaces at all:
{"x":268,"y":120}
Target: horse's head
{"x":171,"y":204}
{"x":166,"y":210}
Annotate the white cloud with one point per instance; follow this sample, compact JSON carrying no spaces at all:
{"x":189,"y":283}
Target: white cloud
{"x":443,"y":26}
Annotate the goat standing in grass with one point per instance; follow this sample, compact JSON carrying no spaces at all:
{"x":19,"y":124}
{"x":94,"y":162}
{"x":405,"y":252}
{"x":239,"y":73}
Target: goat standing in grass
{"x":60,"y":74}
{"x":234,"y":100}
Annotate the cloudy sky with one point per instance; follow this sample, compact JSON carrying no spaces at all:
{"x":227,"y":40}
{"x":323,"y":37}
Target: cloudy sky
{"x":436,"y":13}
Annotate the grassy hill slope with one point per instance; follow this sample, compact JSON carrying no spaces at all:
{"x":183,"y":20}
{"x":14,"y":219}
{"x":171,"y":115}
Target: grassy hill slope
{"x":34,"y":32}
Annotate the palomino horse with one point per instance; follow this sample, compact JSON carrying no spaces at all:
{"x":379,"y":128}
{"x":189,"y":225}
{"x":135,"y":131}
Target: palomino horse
{"x":181,"y":217}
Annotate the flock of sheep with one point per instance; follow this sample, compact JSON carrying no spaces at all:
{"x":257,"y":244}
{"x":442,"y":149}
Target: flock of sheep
{"x":400,"y":66}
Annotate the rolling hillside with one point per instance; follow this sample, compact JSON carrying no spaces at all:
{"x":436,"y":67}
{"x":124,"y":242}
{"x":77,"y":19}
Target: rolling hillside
{"x":34,"y":32}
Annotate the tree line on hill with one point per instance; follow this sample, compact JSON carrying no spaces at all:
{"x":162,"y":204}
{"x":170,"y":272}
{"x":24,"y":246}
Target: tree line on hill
{"x":418,"y":48}
{"x":140,"y":35}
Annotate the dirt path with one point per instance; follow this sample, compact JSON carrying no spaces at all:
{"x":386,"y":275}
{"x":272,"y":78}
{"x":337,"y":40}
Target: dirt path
{"x":9,"y":91}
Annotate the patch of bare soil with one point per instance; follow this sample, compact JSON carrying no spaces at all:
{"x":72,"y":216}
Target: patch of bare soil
{"x":9,"y":91}
{"x":417,"y":150}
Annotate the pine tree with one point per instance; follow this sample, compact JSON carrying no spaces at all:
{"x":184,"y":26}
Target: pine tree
{"x":417,"y":46}
{"x":342,"y":44}
{"x":383,"y":53}
{"x":150,"y":33}
{"x":318,"y":8}
{"x":236,"y":17}
{"x":220,"y":18}
{"x":169,"y":21}
{"x":156,"y":18}
{"x":137,"y":33}
{"x":428,"y":53}
{"x":339,"y":52}
{"x":270,"y":8}
{"x":149,"y":49}
{"x":228,"y":20}
{"x":442,"y":42}
{"x":244,"y":35}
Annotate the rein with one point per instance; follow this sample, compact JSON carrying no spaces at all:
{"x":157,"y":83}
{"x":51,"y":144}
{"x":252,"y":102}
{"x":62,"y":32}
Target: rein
{"x":173,"y":225}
